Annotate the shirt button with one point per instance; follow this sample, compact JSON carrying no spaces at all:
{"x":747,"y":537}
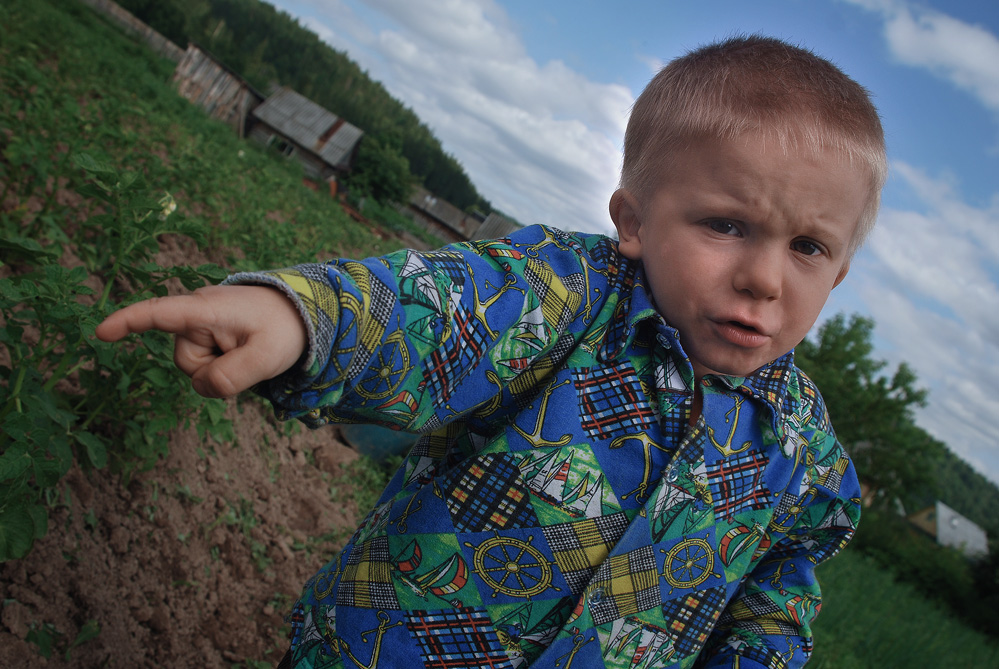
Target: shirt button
{"x":672,"y":475}
{"x":596,"y":596}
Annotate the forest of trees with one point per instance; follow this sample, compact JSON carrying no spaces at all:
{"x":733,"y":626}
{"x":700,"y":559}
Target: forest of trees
{"x":267,"y":47}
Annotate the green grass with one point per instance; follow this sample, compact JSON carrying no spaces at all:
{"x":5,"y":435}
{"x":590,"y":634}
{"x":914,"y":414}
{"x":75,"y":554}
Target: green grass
{"x":870,"y":620}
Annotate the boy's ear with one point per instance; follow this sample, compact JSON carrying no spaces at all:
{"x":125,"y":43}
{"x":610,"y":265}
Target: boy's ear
{"x":624,"y":211}
{"x":842,"y":274}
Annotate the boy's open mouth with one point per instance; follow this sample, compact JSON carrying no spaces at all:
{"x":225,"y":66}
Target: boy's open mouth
{"x":743,"y":326}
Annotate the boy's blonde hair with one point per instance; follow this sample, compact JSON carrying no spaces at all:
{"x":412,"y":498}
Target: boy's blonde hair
{"x":756,"y":84}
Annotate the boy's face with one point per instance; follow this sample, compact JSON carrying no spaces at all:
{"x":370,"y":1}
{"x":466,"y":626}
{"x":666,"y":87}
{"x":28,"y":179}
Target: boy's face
{"x":741,"y":246}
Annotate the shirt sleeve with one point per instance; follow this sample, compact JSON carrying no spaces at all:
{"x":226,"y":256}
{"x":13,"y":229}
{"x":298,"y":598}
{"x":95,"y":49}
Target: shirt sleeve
{"x":414,"y":339}
{"x":768,"y":622}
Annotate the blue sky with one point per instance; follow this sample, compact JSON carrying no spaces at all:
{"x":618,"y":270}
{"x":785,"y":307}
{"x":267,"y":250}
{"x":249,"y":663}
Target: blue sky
{"x":532,"y":98}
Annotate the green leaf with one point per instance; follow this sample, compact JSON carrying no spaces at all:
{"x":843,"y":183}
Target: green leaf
{"x":159,"y":377}
{"x":97,"y":451}
{"x":128,"y":179}
{"x":89,"y":631}
{"x":40,"y":519}
{"x":14,"y":462}
{"x":90,"y":164}
{"x":214,"y":410}
{"x":27,"y":249}
{"x":17,"y":426}
{"x":48,"y":471}
{"x":17,"y":531}
{"x":212,"y":272}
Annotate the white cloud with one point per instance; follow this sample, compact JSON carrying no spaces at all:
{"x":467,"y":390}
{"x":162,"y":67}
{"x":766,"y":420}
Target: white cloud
{"x":929,"y":279}
{"x":965,"y":54}
{"x":541,"y":141}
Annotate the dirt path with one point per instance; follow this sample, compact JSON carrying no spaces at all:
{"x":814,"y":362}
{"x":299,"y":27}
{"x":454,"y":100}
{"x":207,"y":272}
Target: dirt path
{"x":192,"y":564}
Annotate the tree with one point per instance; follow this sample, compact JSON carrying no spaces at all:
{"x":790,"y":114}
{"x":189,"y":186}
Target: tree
{"x":872,"y":410}
{"x":380,"y":171}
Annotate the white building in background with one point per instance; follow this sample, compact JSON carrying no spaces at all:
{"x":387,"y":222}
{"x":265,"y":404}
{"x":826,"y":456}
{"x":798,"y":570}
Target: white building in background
{"x":952,"y":529}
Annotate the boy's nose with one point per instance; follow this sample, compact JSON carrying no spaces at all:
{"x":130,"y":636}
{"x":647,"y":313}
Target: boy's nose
{"x":760,"y":274}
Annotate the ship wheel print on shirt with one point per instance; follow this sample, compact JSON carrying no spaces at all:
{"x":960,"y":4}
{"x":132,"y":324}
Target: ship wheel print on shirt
{"x":512,"y":567}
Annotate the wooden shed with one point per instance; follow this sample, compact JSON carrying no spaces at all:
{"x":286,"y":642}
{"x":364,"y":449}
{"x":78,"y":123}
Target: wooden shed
{"x":495,"y":226}
{"x":208,"y":83}
{"x":324,"y":143}
{"x":439,"y":217}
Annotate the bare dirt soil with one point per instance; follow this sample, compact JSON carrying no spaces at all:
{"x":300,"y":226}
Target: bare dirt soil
{"x":192,"y":564}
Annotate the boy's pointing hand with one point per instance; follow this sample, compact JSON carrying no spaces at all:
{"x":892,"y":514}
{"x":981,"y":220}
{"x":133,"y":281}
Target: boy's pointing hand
{"x":227,"y":338}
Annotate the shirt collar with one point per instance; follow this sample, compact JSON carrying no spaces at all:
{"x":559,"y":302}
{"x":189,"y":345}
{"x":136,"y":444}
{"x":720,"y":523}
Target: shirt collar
{"x":769,"y":384}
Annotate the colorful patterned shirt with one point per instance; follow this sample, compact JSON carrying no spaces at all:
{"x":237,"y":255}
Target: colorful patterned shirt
{"x":558,"y":509}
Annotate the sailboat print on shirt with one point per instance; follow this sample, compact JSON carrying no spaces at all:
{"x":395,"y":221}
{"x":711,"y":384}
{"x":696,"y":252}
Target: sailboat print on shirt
{"x":639,"y":644}
{"x":547,"y":478}
{"x":444,"y":579}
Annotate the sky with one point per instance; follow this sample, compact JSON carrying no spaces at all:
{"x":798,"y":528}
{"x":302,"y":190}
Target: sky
{"x":532,"y":98}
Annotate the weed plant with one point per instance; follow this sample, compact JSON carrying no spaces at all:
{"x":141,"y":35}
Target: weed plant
{"x":100,"y":162}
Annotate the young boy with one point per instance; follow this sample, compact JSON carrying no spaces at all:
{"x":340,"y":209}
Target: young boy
{"x":620,"y":464}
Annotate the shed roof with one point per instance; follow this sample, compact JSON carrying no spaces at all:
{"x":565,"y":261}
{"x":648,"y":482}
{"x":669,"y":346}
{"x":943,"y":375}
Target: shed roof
{"x":311,"y":126}
{"x":496,"y":226}
{"x":438,"y":208}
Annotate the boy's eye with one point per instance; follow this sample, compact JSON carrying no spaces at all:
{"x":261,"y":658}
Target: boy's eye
{"x":723,"y":227}
{"x":806,"y":248}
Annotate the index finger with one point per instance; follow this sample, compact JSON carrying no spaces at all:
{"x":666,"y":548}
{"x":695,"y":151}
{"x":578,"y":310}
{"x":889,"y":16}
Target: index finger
{"x":172,"y":314}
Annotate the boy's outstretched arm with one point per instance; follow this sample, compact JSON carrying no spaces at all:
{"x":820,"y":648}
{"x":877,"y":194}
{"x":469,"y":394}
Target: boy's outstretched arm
{"x":227,"y":338}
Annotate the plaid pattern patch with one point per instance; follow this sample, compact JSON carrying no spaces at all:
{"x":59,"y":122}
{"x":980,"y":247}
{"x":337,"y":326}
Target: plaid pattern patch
{"x":832,"y":478}
{"x":604,"y":253}
{"x":673,"y":422}
{"x":624,"y":585}
{"x":379,"y":300}
{"x":611,"y":401}
{"x":451,"y":263}
{"x":490,"y":495}
{"x":367,"y":577}
{"x":524,"y":387}
{"x":737,"y":482}
{"x":450,"y":363}
{"x":580,"y":547}
{"x":458,"y":639}
{"x":692,"y":617}
{"x":759,"y":614}
{"x":560,"y":296}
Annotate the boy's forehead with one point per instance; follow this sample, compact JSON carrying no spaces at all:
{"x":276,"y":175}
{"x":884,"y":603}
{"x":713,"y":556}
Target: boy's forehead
{"x":764,"y":146}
